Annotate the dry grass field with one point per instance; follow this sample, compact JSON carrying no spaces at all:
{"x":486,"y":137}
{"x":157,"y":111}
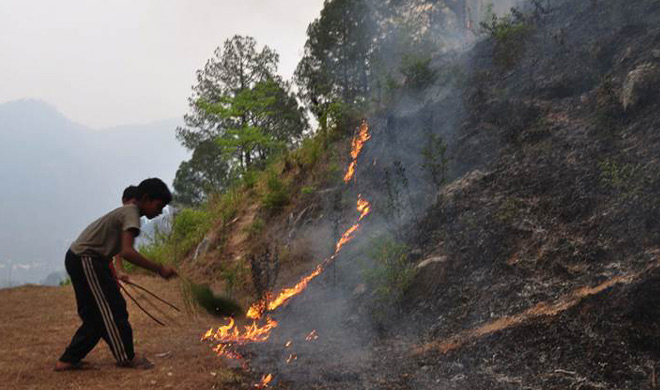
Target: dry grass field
{"x":36,"y":324}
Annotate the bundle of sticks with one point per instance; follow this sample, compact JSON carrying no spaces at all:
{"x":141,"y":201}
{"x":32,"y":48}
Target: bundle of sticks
{"x":202,"y":295}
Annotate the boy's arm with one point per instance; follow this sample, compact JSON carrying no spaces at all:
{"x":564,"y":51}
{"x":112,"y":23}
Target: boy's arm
{"x":129,"y":253}
{"x":119,"y":267}
{"x":119,"y":264}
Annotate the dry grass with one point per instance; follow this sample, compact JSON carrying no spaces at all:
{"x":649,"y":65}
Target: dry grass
{"x":38,"y":322}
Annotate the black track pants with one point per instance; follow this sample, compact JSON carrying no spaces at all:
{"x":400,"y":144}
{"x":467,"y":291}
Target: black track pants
{"x":101,"y":307}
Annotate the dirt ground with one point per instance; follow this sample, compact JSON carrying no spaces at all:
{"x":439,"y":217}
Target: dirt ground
{"x":38,"y":322}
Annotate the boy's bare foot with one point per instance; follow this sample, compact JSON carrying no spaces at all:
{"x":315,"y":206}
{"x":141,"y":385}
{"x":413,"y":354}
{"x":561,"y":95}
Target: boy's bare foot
{"x":140,"y":362}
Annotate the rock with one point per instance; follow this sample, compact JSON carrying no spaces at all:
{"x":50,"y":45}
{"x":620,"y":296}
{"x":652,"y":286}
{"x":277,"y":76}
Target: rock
{"x":655,"y":53}
{"x":640,"y":84}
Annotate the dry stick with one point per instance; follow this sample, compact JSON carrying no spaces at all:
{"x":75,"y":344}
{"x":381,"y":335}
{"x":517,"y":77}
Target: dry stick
{"x":142,"y":297}
{"x":152,"y":294}
{"x":140,"y":306}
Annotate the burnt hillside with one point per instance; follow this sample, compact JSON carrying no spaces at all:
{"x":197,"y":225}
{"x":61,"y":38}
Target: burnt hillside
{"x":528,"y":256}
{"x":556,"y":190}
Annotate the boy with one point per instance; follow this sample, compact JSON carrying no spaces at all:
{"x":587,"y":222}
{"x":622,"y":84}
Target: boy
{"x":117,"y":265}
{"x":100,"y":304}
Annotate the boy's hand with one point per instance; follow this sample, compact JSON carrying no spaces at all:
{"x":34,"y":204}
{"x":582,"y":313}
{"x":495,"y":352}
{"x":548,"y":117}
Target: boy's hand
{"x":167,"y":272}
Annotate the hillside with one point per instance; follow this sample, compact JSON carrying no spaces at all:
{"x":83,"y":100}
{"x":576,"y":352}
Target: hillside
{"x":499,"y":232}
{"x":535,"y":262}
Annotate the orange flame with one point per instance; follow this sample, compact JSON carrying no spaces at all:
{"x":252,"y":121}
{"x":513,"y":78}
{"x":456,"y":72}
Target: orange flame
{"x":228,"y":336}
{"x":364,"y":207}
{"x":356,"y":147}
{"x":312,"y":336}
{"x":257,"y":309}
{"x":232,"y":334}
{"x":265,"y":380}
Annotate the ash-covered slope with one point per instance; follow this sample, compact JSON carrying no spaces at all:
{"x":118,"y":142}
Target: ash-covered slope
{"x":546,"y":245}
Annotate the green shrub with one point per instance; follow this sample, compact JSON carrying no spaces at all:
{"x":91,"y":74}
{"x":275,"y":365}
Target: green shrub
{"x":390,"y":274}
{"x":417,"y":71}
{"x":227,"y":205}
{"x":65,"y":282}
{"x":307,"y":190}
{"x":620,"y":177}
{"x":509,"y":33}
{"x":188,"y":228}
{"x":276,"y":194}
{"x":249,"y":178}
{"x":434,"y":160}
{"x":309,"y":153}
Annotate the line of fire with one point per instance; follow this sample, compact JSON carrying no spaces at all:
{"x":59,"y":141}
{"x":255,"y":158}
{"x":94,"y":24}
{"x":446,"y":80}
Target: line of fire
{"x":227,"y":339}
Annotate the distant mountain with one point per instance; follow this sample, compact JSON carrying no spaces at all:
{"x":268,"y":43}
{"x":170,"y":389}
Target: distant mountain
{"x":56,"y":176}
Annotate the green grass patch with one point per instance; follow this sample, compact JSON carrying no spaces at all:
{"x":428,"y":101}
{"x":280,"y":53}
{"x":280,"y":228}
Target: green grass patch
{"x":276,"y":192}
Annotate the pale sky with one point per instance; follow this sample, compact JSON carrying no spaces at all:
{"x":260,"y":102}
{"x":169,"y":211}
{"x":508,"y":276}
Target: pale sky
{"x":105,"y":63}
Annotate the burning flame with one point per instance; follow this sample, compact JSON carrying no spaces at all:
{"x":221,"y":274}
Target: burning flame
{"x":229,"y":336}
{"x":231,"y":333}
{"x":265,"y":380}
{"x":257,"y":309}
{"x":364,"y":207}
{"x":356,"y":147}
{"x":312,"y":336}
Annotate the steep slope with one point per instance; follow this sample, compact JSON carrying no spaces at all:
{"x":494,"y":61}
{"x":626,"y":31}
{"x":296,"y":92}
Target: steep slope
{"x":536,"y":263}
{"x":548,"y":240}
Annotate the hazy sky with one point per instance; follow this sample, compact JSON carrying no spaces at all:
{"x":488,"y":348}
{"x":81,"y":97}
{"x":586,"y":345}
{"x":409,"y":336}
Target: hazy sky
{"x":105,"y":63}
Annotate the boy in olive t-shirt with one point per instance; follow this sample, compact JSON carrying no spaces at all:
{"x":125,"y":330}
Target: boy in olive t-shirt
{"x":101,"y":306}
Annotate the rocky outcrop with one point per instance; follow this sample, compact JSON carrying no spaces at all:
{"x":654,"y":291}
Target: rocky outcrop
{"x":640,"y":84}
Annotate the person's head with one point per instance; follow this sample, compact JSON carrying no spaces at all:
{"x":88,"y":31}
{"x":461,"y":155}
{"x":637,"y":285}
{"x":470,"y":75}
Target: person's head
{"x":152,"y":196}
{"x":129,"y":195}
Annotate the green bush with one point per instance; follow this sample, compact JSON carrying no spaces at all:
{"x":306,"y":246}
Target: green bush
{"x":188,"y":228}
{"x":390,"y":274}
{"x":156,"y":251}
{"x":624,"y":178}
{"x":417,"y":71}
{"x":434,"y":160}
{"x":65,"y":282}
{"x":509,"y":33}
{"x":307,"y":190}
{"x":276,"y":194}
{"x":309,"y":153}
{"x":226,"y":206}
{"x":249,"y":178}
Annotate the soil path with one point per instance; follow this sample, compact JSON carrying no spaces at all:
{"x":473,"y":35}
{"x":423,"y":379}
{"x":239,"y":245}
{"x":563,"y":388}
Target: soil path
{"x":38,"y":322}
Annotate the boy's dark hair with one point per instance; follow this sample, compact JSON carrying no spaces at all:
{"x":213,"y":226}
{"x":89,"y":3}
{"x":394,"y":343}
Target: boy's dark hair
{"x":130,"y":192}
{"x":154,"y":188}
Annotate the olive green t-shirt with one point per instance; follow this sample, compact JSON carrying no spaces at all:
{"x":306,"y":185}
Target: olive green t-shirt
{"x":103,"y":236}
